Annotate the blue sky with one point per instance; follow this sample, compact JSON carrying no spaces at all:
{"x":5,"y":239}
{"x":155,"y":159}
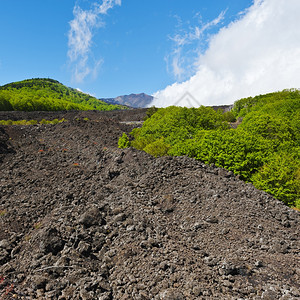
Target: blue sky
{"x":130,"y":45}
{"x":212,"y":49}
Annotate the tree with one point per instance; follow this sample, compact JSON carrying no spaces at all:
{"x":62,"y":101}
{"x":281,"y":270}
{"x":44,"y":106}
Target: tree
{"x":5,"y":104}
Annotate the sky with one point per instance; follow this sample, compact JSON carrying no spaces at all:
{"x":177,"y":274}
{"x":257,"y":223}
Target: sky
{"x":188,"y":53}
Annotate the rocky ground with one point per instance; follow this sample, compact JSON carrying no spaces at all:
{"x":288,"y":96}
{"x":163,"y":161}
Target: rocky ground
{"x":82,"y":219}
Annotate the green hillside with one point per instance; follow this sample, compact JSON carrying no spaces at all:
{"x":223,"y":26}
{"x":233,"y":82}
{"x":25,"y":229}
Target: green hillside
{"x":264,"y":149}
{"x":42,"y":94}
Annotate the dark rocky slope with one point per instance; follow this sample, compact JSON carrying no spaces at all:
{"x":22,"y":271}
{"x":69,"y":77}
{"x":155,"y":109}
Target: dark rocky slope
{"x":81,"y":219}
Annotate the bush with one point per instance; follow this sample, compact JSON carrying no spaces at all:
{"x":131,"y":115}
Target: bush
{"x":5,"y":104}
{"x":158,"y":148}
{"x":268,"y":126}
{"x":280,"y":177}
{"x":240,"y":152}
{"x":177,"y":124}
{"x":229,"y":116}
{"x":124,"y":141}
{"x":32,"y":122}
{"x":264,"y":149}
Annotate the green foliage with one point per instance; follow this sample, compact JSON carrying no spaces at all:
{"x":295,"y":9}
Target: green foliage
{"x":243,"y":106}
{"x":264,"y":149}
{"x":5,"y":104}
{"x":47,"y":95}
{"x":229,"y":116}
{"x":151,"y":111}
{"x":280,"y":176}
{"x":30,"y":122}
{"x":242,"y":153}
{"x":158,"y":148}
{"x":124,"y":141}
{"x":268,"y":126}
{"x":177,"y":124}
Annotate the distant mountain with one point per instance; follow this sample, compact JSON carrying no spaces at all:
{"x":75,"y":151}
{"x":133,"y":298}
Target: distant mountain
{"x":44,"y":94}
{"x":132,"y":100}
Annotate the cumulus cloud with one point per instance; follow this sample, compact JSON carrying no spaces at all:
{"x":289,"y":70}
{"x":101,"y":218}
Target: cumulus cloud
{"x":258,"y":53}
{"x":80,"y":38}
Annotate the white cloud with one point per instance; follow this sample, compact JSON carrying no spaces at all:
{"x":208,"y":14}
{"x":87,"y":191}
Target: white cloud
{"x":258,"y":53}
{"x":106,"y":5}
{"x":179,"y":61}
{"x":80,"y":38}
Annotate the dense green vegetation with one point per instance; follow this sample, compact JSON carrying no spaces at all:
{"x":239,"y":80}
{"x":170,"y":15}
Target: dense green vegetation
{"x":264,"y":149}
{"x":47,"y":95}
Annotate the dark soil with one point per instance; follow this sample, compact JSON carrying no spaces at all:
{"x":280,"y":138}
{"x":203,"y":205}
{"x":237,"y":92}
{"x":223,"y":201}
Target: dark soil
{"x":82,"y":219}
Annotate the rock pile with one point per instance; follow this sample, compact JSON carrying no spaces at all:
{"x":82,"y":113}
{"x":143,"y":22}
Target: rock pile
{"x":81,"y":219}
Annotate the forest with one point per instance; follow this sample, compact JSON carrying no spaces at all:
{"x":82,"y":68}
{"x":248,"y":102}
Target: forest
{"x":259,"y":140}
{"x":43,"y":94}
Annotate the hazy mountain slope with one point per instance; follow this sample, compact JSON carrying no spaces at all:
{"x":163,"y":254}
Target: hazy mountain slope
{"x":133,"y":100}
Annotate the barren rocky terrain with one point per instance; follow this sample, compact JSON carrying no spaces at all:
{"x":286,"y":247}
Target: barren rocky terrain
{"x":82,"y":219}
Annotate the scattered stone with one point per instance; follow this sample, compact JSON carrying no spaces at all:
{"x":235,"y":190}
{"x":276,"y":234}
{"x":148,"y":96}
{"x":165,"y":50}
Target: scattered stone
{"x":50,"y":241}
{"x":85,"y":220}
{"x":91,"y":217}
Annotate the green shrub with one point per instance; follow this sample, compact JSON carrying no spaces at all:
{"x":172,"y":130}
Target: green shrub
{"x":229,"y":116}
{"x":5,"y":104}
{"x":264,"y":149}
{"x":158,"y":148}
{"x":150,"y":112}
{"x":32,"y":122}
{"x":240,"y":152}
{"x":268,"y":126}
{"x":124,"y":141}
{"x":280,"y":177}
{"x":177,"y":124}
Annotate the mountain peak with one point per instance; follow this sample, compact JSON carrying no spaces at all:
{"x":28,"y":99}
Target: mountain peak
{"x":132,"y":100}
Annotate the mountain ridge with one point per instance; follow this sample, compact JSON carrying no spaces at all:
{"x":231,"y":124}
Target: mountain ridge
{"x":47,"y":94}
{"x":140,"y":100}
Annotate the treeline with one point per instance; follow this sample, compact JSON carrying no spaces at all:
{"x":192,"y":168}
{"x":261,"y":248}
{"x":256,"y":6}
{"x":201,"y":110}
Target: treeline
{"x":47,"y":95}
{"x":264,"y":149}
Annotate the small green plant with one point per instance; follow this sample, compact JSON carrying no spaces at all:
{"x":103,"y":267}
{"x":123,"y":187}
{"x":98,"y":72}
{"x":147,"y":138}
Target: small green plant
{"x":37,"y":225}
{"x":32,"y":122}
{"x":124,"y":141}
{"x":2,"y":213}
